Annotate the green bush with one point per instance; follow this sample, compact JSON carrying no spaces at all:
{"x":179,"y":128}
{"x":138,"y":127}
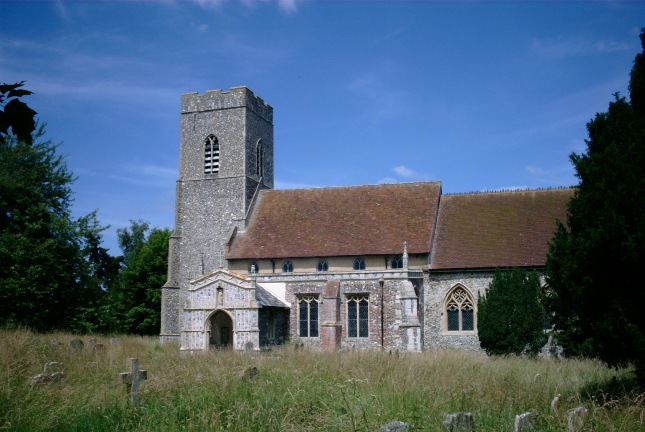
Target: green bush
{"x":510,"y":317}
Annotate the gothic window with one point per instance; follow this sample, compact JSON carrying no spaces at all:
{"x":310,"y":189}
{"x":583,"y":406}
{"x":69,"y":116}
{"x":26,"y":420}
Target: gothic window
{"x":287,"y":267}
{"x":359,"y":264}
{"x":358,"y":316}
{"x":397,"y":262}
{"x":322,"y":266}
{"x":460,"y":310}
{"x":259,"y":159}
{"x":254,"y":267}
{"x":211,"y":155}
{"x":308,"y":316}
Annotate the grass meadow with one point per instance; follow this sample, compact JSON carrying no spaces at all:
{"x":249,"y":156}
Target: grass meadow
{"x":299,"y":390}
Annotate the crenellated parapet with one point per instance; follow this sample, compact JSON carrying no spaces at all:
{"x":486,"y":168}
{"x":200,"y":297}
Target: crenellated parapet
{"x":235,"y":97}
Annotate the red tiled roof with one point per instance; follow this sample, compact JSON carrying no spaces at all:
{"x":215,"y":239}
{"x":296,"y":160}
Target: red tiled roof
{"x":499,"y":229}
{"x":340,"y":221}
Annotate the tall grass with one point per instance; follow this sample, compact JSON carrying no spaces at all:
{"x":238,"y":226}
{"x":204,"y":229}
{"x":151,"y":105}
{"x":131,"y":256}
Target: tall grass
{"x":299,"y":390}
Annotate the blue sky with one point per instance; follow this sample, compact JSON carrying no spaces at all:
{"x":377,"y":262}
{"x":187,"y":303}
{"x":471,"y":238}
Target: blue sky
{"x":479,"y":95}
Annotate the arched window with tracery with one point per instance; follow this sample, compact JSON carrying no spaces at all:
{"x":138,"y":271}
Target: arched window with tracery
{"x":211,"y":155}
{"x":460,"y":310}
{"x":287,"y":267}
{"x":359,"y":264}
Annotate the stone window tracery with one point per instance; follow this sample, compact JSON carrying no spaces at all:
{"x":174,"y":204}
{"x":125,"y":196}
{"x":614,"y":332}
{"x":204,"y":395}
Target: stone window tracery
{"x":397,"y":262}
{"x":460,"y":310}
{"x":287,"y":267}
{"x":358,"y":316}
{"x":359,"y":264}
{"x":322,"y":266}
{"x":308,"y":316}
{"x":211,"y":155}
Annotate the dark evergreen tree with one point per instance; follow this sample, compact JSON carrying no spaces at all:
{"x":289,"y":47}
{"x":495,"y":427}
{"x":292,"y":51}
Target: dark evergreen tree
{"x":137,"y":294}
{"x":46,"y":257}
{"x":510,"y":319}
{"x":595,"y":261}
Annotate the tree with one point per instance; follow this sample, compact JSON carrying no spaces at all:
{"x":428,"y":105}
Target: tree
{"x":16,"y":117}
{"x":510,"y":319}
{"x":137,"y":294}
{"x":45,"y":254}
{"x":594,"y":261}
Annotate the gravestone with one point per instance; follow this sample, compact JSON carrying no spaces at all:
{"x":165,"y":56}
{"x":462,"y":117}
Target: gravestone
{"x":40,"y":379}
{"x":133,"y":380}
{"x":249,"y":372}
{"x":576,"y":419}
{"x":525,"y":422}
{"x":46,"y":378}
{"x":115,"y":342}
{"x":51,"y":367}
{"x":92,"y":342}
{"x":395,"y":426}
{"x":76,"y":345}
{"x":554,"y":404}
{"x":98,"y":349}
{"x":460,"y":422}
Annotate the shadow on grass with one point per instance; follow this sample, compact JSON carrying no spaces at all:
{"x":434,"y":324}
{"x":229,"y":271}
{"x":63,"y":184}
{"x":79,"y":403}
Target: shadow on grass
{"x":617,"y":388}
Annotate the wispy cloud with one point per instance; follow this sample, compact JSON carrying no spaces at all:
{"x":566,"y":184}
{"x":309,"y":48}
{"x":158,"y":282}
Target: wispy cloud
{"x":404,"y":171}
{"x":532,"y":169}
{"x":405,"y":174}
{"x":566,"y":47}
{"x":383,"y":101}
{"x":288,"y":6}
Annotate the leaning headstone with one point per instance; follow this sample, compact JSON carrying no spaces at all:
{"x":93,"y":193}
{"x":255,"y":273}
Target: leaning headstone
{"x":51,"y":367}
{"x":40,"y":379}
{"x":98,"y":349}
{"x":133,"y":380}
{"x":115,"y":342}
{"x":576,"y":419}
{"x":76,"y":345}
{"x":554,"y":404}
{"x":395,"y":426}
{"x":460,"y":422}
{"x":56,"y":376}
{"x":525,"y":422}
{"x":92,"y":342}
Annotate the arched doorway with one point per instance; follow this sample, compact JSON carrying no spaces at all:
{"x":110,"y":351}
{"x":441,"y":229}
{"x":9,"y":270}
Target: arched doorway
{"x":221,"y":334}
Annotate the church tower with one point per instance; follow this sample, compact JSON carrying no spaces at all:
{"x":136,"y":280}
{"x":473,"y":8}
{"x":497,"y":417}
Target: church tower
{"x":226,"y":158}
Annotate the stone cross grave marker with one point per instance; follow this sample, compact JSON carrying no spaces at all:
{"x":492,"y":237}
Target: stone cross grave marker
{"x":133,"y":380}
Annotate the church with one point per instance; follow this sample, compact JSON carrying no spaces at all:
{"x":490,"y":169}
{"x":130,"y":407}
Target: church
{"x":391,"y":266}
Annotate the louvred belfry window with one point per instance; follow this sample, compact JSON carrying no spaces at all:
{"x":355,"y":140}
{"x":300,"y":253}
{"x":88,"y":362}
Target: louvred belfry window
{"x":211,"y":155}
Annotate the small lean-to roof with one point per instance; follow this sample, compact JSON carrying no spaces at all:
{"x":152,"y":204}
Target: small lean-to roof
{"x":497,"y":229}
{"x":340,"y":221}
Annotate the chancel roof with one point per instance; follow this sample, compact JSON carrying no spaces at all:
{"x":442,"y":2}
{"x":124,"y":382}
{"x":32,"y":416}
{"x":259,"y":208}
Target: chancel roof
{"x":340,"y":221}
{"x":497,"y":229}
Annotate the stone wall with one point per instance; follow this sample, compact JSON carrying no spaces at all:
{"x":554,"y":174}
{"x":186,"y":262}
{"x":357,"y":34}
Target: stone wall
{"x":440,"y":285}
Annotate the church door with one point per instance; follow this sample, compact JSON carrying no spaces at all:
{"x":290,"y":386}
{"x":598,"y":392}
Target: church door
{"x":221,"y":325}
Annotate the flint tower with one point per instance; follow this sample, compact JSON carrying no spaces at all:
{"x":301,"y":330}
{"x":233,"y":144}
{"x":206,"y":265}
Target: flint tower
{"x":226,"y":158}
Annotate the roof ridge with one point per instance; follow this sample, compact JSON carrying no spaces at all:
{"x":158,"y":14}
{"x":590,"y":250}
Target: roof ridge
{"x":424,"y":182}
{"x":500,"y":191}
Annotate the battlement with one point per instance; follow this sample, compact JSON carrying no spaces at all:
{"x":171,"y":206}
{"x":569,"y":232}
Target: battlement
{"x":235,"y":97}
